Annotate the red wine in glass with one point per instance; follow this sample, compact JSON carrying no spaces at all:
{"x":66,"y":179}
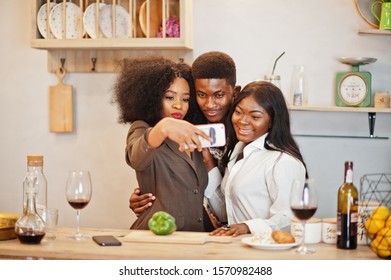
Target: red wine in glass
{"x":78,"y":192}
{"x":304,"y":203}
{"x":78,"y":203}
{"x":304,"y":213}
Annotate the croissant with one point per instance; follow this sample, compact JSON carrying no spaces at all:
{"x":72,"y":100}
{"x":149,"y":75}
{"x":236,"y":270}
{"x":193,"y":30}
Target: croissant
{"x":283,"y":237}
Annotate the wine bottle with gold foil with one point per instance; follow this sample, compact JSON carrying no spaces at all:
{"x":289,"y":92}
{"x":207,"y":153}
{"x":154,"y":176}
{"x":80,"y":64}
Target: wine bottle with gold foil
{"x":347,"y":214}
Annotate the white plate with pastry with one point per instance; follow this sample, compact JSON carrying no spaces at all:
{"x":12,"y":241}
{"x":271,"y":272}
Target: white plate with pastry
{"x":271,"y":240}
{"x":273,"y":246}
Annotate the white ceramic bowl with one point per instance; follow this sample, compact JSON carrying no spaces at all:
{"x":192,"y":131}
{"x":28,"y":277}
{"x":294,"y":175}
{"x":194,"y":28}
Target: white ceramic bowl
{"x":313,"y":230}
{"x":329,"y":230}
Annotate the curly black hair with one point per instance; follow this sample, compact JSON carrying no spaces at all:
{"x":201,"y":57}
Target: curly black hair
{"x":140,"y":86}
{"x":214,"y":65}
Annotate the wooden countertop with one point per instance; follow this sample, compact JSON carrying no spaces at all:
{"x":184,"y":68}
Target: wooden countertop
{"x":64,"y":248}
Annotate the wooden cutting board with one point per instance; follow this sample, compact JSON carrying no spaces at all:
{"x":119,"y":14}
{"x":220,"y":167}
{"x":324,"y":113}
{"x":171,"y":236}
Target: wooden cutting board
{"x":178,"y":237}
{"x":61,"y":105}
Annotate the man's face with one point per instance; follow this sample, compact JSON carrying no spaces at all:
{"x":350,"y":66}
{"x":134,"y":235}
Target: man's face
{"x":214,"y":97}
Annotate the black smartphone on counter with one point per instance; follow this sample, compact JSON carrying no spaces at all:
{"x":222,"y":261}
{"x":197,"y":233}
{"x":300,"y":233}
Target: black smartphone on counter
{"x":106,"y":240}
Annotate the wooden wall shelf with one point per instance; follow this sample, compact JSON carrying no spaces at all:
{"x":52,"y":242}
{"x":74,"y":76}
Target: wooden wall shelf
{"x":142,"y":39}
{"x":341,"y":136}
{"x":374,"y":32}
{"x":340,"y":109}
{"x":371,"y":119}
{"x":104,"y":61}
{"x":109,"y":44}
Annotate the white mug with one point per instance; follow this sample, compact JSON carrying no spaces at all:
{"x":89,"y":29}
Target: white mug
{"x":313,"y":229}
{"x":329,"y":230}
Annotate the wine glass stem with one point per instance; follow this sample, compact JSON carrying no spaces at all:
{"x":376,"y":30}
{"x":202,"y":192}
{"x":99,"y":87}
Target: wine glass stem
{"x":303,"y":238}
{"x":78,"y":222}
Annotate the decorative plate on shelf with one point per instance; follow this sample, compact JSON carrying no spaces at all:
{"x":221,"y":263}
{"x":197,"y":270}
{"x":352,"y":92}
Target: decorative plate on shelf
{"x":122,"y":21}
{"x":73,"y":19}
{"x":155,"y":17}
{"x":257,"y":245}
{"x":89,"y":19}
{"x":42,"y":18}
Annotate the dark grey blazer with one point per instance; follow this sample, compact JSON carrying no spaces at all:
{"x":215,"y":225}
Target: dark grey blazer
{"x":177,"y":181}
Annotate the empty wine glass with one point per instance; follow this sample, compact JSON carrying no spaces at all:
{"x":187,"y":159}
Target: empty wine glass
{"x":78,"y":193}
{"x":304,"y":202}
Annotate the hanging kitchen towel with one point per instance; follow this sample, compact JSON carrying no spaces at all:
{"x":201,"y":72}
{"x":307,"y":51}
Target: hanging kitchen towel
{"x":61,"y":105}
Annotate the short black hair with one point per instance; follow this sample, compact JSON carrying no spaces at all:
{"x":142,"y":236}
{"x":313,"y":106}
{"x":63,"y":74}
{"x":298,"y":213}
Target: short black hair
{"x":141,"y":84}
{"x":214,"y":65}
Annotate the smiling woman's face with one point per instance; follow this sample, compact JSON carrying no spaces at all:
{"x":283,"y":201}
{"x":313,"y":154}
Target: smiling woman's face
{"x":250,"y":120}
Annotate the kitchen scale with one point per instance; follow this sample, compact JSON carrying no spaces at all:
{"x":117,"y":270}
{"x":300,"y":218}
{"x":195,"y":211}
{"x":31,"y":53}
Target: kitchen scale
{"x":353,"y":88}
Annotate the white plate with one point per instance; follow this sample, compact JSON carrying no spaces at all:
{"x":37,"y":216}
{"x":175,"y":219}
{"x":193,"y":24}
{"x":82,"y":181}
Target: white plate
{"x":89,"y":19}
{"x":248,"y":241}
{"x":42,"y":19}
{"x":72,"y":21}
{"x":122,"y":21}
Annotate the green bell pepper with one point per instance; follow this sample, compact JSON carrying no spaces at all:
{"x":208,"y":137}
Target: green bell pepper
{"x":162,"y":223}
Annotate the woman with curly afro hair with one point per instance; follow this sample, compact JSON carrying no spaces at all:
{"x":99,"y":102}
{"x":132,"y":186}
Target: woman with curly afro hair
{"x":154,"y":94}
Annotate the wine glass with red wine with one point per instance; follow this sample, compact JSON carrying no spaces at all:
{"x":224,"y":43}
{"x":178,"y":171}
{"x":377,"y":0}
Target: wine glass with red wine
{"x":304,"y":202}
{"x":78,"y":192}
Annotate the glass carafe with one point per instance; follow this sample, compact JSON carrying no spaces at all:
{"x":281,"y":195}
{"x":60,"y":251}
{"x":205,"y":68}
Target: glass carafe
{"x":30,"y":228}
{"x":35,"y":168}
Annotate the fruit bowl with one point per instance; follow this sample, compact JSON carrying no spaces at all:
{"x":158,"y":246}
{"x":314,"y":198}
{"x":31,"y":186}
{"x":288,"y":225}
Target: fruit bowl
{"x":378,"y":230}
{"x":375,"y":213}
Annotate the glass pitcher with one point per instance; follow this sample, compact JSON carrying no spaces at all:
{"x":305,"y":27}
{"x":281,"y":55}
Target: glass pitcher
{"x":30,"y":228}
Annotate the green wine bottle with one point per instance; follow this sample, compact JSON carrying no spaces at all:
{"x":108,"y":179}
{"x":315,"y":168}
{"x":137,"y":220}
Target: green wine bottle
{"x":347,"y":214}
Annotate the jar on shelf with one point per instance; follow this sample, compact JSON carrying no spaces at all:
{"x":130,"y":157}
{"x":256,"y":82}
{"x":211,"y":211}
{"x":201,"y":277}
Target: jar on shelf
{"x":299,"y":87}
{"x":274,"y":79}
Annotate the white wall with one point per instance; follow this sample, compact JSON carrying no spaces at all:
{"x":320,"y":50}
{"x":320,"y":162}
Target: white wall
{"x":254,"y":33}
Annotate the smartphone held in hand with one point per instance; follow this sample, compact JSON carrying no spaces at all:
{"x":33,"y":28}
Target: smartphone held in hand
{"x":216,"y":132}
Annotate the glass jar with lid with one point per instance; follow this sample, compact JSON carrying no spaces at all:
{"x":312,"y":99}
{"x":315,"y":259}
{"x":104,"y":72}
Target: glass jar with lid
{"x":274,"y":79}
{"x":35,"y":168}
